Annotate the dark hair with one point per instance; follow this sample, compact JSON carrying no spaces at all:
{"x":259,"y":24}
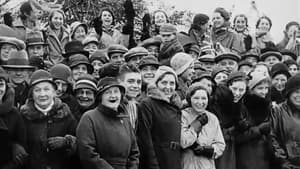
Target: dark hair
{"x":52,"y":14}
{"x":127,"y":68}
{"x":153,"y":18}
{"x":193,"y":91}
{"x":264,"y":17}
{"x":292,"y":23}
{"x":25,"y":9}
{"x":111,"y":12}
{"x":240,"y":15}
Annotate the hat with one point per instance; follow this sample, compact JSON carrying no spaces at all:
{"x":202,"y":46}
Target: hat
{"x":290,"y":62}
{"x":217,"y":70}
{"x":3,"y":74}
{"x":116,"y":48}
{"x":75,"y":25}
{"x":265,"y":55}
{"x":18,"y":60}
{"x":90,"y":39}
{"x":227,"y":56}
{"x":99,"y":55}
{"x":151,"y":41}
{"x":7,"y":31}
{"x":191,"y":90}
{"x":255,"y":78}
{"x":75,"y":47}
{"x":136,"y":51}
{"x":200,"y":19}
{"x":149,"y":60}
{"x":167,"y":28}
{"x":250,"y":55}
{"x":162,"y":70}
{"x":244,"y":63}
{"x":289,"y":53}
{"x":109,"y":82}
{"x":37,"y":62}
{"x":86,"y":82}
{"x":201,"y":76}
{"x":207,"y":49}
{"x":292,"y":84}
{"x":234,"y":76}
{"x":35,"y":38}
{"x":223,"y":12}
{"x":19,"y":44}
{"x":195,"y":48}
{"x":41,"y":76}
{"x":280,"y":68}
{"x":61,"y":71}
{"x":197,"y":65}
{"x":78,"y":59}
{"x":207,"y":58}
{"x":180,"y":62}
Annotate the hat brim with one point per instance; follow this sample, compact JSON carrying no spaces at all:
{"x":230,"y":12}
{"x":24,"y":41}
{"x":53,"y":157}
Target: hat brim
{"x":85,"y":53}
{"x":90,"y":68}
{"x":37,"y":43}
{"x":121,"y":87}
{"x":268,"y":54}
{"x":18,"y":67}
{"x":227,"y":56}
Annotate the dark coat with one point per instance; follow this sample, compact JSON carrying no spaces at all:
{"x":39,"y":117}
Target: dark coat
{"x":106,"y":140}
{"x":277,"y":96}
{"x":168,"y":50}
{"x":12,"y":129}
{"x":251,"y":145}
{"x":58,"y":122}
{"x":71,"y":101}
{"x":158,"y":133}
{"x":285,"y":135}
{"x":21,"y":94}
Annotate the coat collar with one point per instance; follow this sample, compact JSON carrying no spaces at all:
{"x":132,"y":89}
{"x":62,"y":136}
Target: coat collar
{"x":155,"y":93}
{"x":121,"y":113}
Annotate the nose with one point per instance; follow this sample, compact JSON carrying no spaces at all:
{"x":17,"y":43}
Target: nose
{"x":84,"y":94}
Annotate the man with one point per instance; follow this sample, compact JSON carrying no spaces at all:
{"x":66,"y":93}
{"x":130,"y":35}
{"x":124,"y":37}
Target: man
{"x":152,"y":45}
{"x":36,"y":45}
{"x":207,"y":62}
{"x":229,"y":61}
{"x":270,"y":57}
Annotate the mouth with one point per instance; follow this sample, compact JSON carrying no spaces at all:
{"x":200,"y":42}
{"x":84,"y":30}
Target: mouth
{"x":149,"y":76}
{"x":114,"y":100}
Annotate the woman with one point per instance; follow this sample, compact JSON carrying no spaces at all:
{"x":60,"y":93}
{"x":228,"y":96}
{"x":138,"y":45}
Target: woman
{"x":78,"y":31}
{"x":285,"y":130}
{"x":252,"y":142}
{"x":160,"y":17}
{"x":201,"y":134}
{"x":12,"y":128}
{"x":159,"y":124}
{"x":114,"y":144}
{"x":57,"y":36}
{"x":224,"y":39}
{"x":49,"y":123}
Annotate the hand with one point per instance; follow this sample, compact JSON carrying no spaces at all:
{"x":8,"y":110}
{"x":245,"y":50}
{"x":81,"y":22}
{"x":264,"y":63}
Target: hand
{"x":206,"y":151}
{"x":56,"y":142}
{"x":19,"y":154}
{"x":265,"y":128}
{"x":203,"y":119}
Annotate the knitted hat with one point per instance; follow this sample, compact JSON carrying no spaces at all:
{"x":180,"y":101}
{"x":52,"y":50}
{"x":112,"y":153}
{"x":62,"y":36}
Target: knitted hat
{"x":280,"y":68}
{"x":191,"y":90}
{"x":200,"y":19}
{"x":78,"y":59}
{"x":227,"y":56}
{"x":109,"y":82}
{"x":151,"y":41}
{"x":61,"y":72}
{"x":223,"y":13}
{"x":180,"y":62}
{"x":265,"y":55}
{"x":234,"y":76}
{"x":162,"y":70}
{"x":86,"y":82}
{"x":136,"y":51}
{"x":18,"y":60}
{"x":167,"y":28}
{"x":149,"y":60}
{"x":75,"y":25}
{"x":41,"y":76}
{"x":255,"y":78}
{"x":116,"y":48}
{"x":207,"y":58}
{"x":289,"y":53}
{"x":90,"y":39}
{"x":99,"y":55}
{"x":292,"y":84}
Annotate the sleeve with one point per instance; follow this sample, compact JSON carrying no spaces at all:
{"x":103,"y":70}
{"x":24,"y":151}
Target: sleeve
{"x":71,"y":134}
{"x":133,"y":159}
{"x":148,"y":158}
{"x":247,"y":135}
{"x":86,"y":142}
{"x":20,"y":136}
{"x":237,"y":44}
{"x":218,"y":142}
{"x":188,"y":134}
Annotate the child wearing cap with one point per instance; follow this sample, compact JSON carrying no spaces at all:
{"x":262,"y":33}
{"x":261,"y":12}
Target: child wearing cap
{"x":90,"y":44}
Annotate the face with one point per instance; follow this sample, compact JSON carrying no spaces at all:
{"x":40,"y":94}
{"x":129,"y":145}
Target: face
{"x":295,"y":98}
{"x":240,"y":24}
{"x":293,"y":69}
{"x":208,"y":66}
{"x":205,"y":27}
{"x":262,"y":69}
{"x":238,"y":89}
{"x":271,"y":60}
{"x":292,"y":30}
{"x":57,"y":20}
{"x":167,"y":85}
{"x":43,"y":94}
{"x":79,"y":70}
{"x":91,"y":48}
{"x":206,"y":83}
{"x":252,"y":60}
{"x":153,"y":50}
{"x":160,"y":18}
{"x":218,"y":20}
{"x":107,"y":18}
{"x":33,"y":15}
{"x":117,"y":58}
{"x":2,"y":88}
{"x":85,"y":97}
{"x":229,"y":64}
{"x":220,"y":77}
{"x":246,"y":69}
{"x":111,"y":97}
{"x":61,"y":87}
{"x":199,"y":100}
{"x":279,"y":82}
{"x":97,"y":65}
{"x":5,"y":51}
{"x":188,"y":74}
{"x":79,"y":33}
{"x":35,"y":51}
{"x":148,"y":73}
{"x":261,"y":90}
{"x":264,"y":25}
{"x":167,"y":37}
{"x":18,"y":76}
{"x":133,"y":84}
{"x":135,"y":60}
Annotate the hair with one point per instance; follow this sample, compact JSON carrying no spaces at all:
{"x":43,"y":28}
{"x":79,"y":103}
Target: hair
{"x":25,"y":9}
{"x":197,"y":88}
{"x":111,"y":12}
{"x":292,"y":23}
{"x":127,"y":68}
{"x":52,"y":14}
{"x":261,"y":18}
{"x":157,"y":11}
{"x":163,"y":76}
{"x":243,"y":16}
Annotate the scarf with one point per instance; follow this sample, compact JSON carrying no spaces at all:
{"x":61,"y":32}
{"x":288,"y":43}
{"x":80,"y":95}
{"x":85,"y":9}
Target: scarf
{"x":46,"y":110}
{"x":131,"y":109}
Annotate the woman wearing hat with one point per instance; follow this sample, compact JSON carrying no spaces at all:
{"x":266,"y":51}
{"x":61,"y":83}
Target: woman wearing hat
{"x":78,"y":31}
{"x":49,"y":124}
{"x":201,"y":134}
{"x":160,"y":122}
{"x":114,"y":144}
{"x":285,"y":130}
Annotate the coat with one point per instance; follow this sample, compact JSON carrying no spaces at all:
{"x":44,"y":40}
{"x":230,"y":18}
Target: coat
{"x":277,"y":96}
{"x":21,"y":94}
{"x":106,"y":140}
{"x":158,"y":132}
{"x":285,"y":134}
{"x":252,"y":147}
{"x":55,"y":45}
{"x":168,"y":50}
{"x":210,"y":135}
{"x":58,"y":122}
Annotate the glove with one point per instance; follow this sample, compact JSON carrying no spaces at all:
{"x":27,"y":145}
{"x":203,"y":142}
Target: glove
{"x":19,"y":154}
{"x":206,"y":151}
{"x":203,"y":119}
{"x":57,"y":142}
{"x":265,"y":128}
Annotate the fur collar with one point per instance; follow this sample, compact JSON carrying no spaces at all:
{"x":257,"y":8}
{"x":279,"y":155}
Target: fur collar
{"x":155,"y":93}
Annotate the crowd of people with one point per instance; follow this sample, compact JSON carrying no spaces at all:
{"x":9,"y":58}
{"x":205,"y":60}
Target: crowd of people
{"x":97,"y":97}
